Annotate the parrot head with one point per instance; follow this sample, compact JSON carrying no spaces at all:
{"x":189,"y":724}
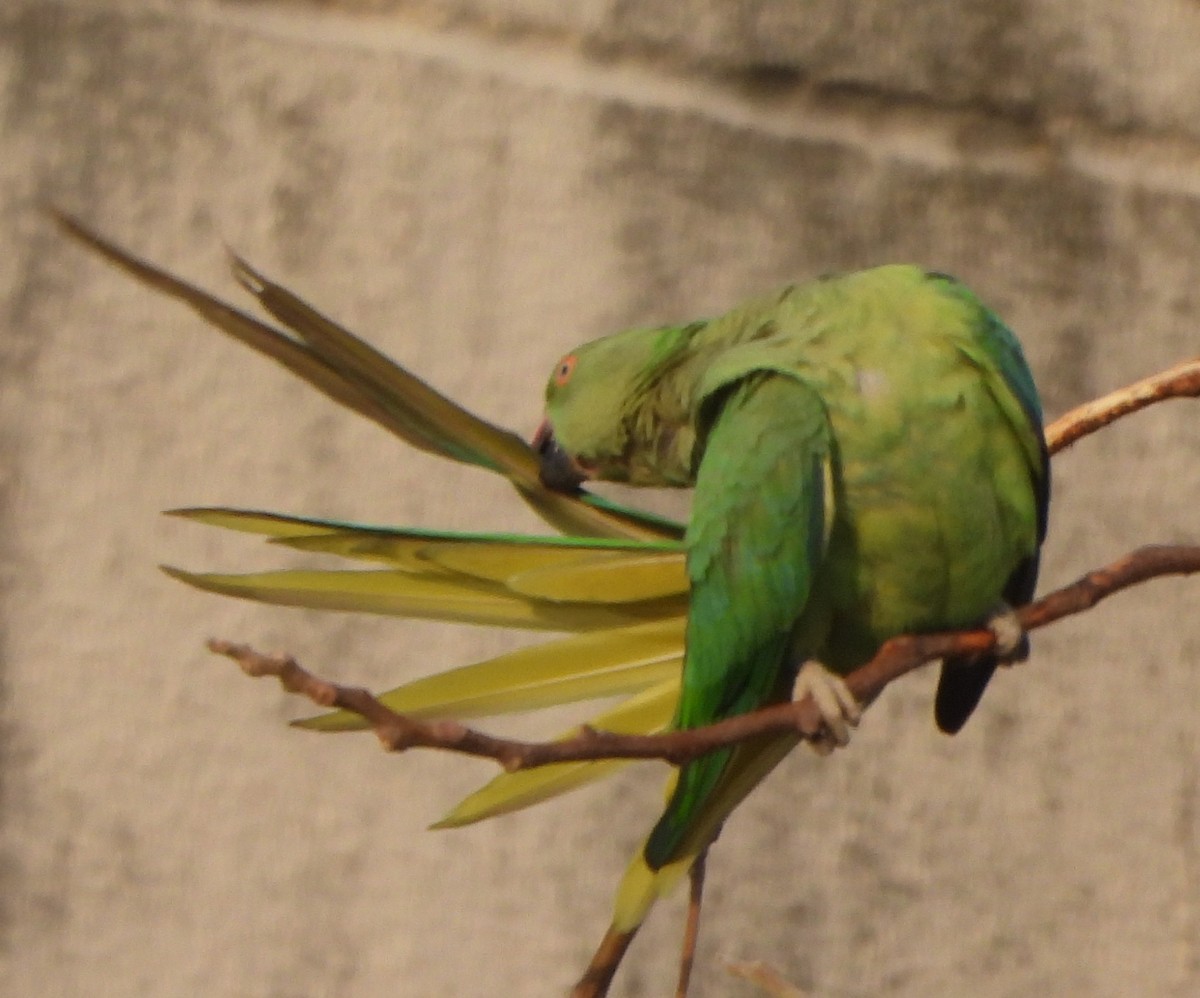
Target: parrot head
{"x":613,"y":414}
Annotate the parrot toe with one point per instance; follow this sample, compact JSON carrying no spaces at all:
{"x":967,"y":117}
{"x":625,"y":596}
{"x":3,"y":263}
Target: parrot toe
{"x":1012,"y":643}
{"x":839,"y":710}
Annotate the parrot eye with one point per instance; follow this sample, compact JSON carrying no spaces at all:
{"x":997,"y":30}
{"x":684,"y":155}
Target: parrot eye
{"x":564,"y":370}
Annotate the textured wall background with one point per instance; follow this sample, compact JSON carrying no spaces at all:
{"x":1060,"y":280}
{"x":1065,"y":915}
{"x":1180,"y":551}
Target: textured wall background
{"x":475,"y":186}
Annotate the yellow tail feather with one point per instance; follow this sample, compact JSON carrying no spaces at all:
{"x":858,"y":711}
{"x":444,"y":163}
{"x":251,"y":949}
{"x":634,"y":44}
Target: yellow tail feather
{"x":641,"y":887}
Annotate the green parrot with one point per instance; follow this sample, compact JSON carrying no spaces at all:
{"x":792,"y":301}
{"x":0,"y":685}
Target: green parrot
{"x":867,"y":458}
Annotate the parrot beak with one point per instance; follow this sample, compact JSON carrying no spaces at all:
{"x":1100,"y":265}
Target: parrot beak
{"x":559,"y":471}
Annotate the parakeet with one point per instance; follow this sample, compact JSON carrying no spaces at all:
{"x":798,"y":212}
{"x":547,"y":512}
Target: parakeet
{"x":867,"y":458}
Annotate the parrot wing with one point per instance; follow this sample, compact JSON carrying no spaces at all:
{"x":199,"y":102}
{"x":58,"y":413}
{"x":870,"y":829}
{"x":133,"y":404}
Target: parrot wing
{"x":760,"y":523}
{"x":997,"y":355}
{"x":361,"y":378}
{"x":566,"y":569}
{"x":628,"y":598}
{"x":399,"y":593}
{"x":541,"y":583}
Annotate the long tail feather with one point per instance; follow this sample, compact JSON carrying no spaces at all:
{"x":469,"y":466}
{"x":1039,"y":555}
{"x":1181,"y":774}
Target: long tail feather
{"x":403,"y":594}
{"x":254,"y":521}
{"x":576,"y":567}
{"x":584,"y":667}
{"x":242,"y":327}
{"x":647,"y":713}
{"x":423,"y":417}
{"x":354,"y":374}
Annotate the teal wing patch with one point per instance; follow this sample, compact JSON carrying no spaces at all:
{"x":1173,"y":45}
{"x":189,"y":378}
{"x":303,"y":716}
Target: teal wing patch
{"x":757,"y":535}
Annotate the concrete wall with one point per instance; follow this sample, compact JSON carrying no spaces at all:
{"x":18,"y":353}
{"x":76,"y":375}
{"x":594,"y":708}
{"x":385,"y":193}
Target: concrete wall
{"x":475,"y":186}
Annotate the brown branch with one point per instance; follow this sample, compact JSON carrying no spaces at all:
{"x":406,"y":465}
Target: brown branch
{"x":691,"y":932}
{"x":397,"y":732}
{"x":767,"y":978}
{"x":898,"y":656}
{"x":1180,"y":381}
{"x":598,"y":976}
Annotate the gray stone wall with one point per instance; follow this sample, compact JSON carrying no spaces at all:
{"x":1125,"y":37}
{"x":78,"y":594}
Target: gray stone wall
{"x":475,"y":186}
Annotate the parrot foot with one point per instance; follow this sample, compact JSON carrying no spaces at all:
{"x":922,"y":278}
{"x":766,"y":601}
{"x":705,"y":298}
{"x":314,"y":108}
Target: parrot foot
{"x":1012,"y":643}
{"x":839,"y":710}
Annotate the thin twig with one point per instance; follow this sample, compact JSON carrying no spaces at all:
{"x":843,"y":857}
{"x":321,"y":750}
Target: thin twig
{"x":691,"y":929}
{"x":767,"y":978}
{"x":1180,"y":381}
{"x":898,"y":656}
{"x":599,"y":974}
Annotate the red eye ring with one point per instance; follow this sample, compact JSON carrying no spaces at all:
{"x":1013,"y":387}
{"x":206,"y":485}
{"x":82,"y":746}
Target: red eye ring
{"x":564,"y":370}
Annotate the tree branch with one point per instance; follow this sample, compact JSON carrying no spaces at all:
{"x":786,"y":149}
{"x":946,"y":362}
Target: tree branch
{"x":897,"y":657}
{"x":1180,"y":381}
{"x":767,"y":978}
{"x":691,"y":934}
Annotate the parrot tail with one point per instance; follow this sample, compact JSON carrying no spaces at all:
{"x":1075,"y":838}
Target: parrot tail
{"x":959,"y":691}
{"x":642,"y":886}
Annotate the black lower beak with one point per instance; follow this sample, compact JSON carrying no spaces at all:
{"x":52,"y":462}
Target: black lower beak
{"x":557,"y":470}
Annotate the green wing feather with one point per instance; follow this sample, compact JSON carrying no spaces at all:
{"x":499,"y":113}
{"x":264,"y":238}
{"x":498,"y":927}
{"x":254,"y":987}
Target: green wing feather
{"x":757,"y":537}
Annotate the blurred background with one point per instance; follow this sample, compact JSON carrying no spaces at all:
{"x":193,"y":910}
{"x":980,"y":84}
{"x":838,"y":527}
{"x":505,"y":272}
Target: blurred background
{"x":475,"y":186}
